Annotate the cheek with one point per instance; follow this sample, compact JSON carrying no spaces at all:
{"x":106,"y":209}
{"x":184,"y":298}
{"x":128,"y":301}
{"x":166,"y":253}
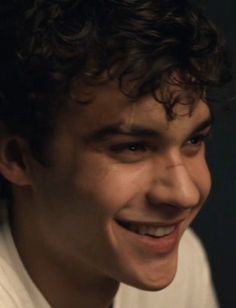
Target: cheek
{"x":109,"y":186}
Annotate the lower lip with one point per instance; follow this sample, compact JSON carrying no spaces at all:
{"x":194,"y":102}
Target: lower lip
{"x":160,"y":245}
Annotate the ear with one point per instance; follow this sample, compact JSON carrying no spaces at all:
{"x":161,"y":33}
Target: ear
{"x":13,"y":151}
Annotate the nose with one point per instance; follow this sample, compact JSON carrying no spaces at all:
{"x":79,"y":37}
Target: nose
{"x":174,"y":185}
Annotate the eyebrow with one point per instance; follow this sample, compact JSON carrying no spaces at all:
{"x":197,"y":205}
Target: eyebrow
{"x":137,"y":131}
{"x":204,"y":125}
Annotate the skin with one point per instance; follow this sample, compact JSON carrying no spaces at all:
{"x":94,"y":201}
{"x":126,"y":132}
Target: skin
{"x":64,"y":216}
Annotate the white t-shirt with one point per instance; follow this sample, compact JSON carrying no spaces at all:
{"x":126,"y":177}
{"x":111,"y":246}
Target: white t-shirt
{"x":191,"y":288}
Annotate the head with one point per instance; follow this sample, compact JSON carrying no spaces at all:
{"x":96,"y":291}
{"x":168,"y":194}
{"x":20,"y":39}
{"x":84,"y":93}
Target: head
{"x":101,"y":105}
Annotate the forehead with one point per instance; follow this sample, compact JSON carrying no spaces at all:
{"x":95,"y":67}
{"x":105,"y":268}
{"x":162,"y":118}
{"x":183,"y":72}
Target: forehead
{"x":106,"y":105}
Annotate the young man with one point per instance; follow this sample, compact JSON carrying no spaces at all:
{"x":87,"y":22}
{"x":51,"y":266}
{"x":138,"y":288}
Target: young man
{"x":103,"y":119}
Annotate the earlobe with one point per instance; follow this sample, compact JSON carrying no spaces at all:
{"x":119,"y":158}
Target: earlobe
{"x":12,"y":160}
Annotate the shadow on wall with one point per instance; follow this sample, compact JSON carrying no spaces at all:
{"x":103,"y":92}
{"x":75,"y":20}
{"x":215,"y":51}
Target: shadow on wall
{"x":217,"y":223}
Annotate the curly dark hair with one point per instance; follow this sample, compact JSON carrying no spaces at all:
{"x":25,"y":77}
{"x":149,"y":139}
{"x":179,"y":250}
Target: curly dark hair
{"x":46,"y":45}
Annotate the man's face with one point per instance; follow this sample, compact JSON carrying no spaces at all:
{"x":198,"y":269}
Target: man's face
{"x":123,"y":185}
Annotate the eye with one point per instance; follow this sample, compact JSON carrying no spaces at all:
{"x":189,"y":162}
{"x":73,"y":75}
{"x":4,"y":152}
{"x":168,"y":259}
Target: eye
{"x":129,"y":147}
{"x":195,"y":144}
{"x":129,"y":152}
{"x":197,"y":140}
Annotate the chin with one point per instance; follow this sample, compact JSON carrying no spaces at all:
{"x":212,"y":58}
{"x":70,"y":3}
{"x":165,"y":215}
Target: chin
{"x":156,"y":277}
{"x":157,"y":285}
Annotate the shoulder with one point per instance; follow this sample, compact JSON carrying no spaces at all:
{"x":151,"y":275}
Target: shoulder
{"x":192,"y":258}
{"x":9,"y":286}
{"x":191,"y":243}
{"x":16,"y":288}
{"x":191,"y":287}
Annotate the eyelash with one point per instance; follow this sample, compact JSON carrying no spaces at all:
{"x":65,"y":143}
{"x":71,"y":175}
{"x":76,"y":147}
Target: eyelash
{"x":143,"y":146}
{"x":137,"y":146}
{"x":131,"y":152}
{"x":199,"y":138}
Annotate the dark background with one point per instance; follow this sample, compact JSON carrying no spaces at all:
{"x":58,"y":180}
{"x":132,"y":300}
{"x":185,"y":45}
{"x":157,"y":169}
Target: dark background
{"x":216,"y":224}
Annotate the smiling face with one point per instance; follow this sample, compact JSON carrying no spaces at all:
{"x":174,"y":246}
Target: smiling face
{"x":123,"y":185}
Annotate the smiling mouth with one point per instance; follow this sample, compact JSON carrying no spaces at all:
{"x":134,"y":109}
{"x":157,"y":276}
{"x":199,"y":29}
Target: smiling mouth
{"x":155,"y":231}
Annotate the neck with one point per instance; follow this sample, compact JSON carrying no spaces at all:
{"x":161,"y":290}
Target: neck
{"x":61,"y":282}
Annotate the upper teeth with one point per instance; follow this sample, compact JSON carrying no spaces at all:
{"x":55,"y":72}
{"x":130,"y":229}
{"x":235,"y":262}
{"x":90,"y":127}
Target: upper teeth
{"x":153,"y":231}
